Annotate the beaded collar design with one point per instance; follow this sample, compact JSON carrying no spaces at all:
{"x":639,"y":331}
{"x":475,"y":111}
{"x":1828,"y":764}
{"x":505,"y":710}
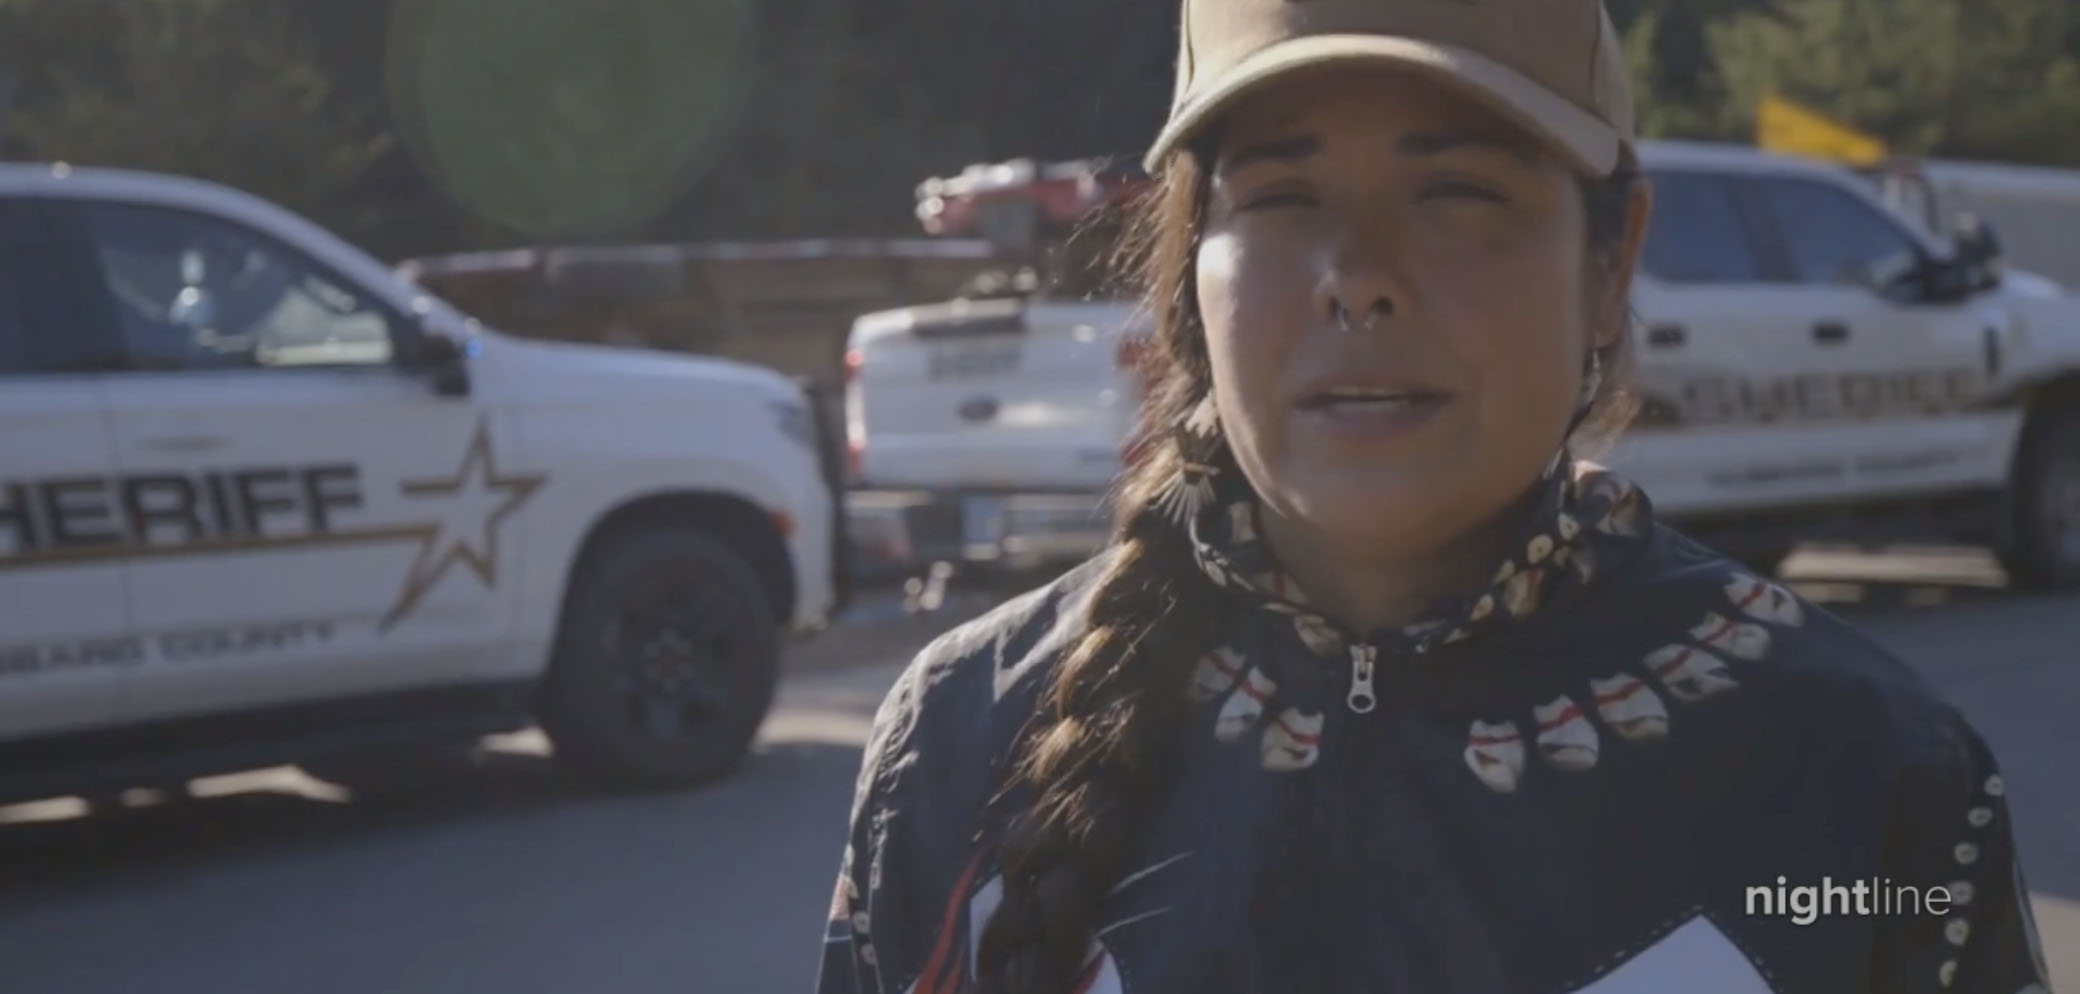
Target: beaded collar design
{"x":1581,"y":515}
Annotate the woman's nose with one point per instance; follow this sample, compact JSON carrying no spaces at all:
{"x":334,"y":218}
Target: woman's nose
{"x":1359,"y":288}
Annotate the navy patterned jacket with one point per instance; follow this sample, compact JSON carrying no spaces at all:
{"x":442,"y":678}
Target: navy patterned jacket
{"x":1631,"y":766}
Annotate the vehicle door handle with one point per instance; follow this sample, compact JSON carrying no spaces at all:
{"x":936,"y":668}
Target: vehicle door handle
{"x":184,"y":443}
{"x":1666,"y":336}
{"x":1830,"y":331}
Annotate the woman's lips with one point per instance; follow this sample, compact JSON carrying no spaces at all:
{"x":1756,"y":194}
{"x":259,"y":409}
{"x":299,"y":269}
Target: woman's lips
{"x":1358,"y":414}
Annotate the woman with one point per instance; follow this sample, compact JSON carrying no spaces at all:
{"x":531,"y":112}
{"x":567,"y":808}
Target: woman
{"x":1379,"y":688}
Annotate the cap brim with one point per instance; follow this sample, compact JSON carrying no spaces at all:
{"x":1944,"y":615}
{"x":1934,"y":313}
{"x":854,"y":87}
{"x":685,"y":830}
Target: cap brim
{"x":1590,"y":144}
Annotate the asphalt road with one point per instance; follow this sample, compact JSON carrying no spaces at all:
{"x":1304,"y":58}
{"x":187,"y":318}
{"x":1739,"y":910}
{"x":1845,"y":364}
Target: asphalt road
{"x":521,"y":882}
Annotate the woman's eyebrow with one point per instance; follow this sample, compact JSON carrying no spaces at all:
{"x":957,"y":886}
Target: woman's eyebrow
{"x":1423,"y":144}
{"x":1281,"y":150}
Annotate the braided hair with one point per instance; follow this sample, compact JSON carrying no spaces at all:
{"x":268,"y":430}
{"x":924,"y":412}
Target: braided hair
{"x":1102,"y":743}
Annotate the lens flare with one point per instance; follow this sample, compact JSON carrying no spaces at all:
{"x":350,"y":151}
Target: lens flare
{"x":559,"y":119}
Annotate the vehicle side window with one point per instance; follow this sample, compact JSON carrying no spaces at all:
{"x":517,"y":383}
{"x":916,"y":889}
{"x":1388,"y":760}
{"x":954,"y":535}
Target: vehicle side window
{"x":43,"y":330}
{"x":14,"y":333}
{"x":196,"y":293}
{"x":1834,"y":238}
{"x":1697,"y":234}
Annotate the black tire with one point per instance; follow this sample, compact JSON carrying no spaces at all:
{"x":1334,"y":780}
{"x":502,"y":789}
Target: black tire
{"x":2041,"y":542}
{"x":666,"y":661}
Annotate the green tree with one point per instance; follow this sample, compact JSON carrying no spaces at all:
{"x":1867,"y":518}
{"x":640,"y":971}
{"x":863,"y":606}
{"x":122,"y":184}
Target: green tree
{"x":2020,"y":98}
{"x":856,"y":103}
{"x":843,"y":124}
{"x":1681,"y":87}
{"x":1931,"y":77}
{"x":224,"y":90}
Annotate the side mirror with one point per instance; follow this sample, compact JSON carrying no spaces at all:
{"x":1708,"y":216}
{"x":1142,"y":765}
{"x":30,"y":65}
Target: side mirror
{"x":1978,"y":250}
{"x":446,"y":360}
{"x":1977,"y":243}
{"x":1944,"y":281}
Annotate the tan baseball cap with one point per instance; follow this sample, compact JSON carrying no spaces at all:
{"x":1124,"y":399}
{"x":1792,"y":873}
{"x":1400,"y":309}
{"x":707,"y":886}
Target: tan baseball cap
{"x":1554,"y":66}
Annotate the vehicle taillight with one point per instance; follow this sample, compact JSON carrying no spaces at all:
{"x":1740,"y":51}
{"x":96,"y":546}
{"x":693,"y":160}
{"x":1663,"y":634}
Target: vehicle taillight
{"x":855,"y":426}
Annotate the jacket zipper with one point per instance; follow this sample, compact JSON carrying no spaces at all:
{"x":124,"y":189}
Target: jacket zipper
{"x":1363,"y":659}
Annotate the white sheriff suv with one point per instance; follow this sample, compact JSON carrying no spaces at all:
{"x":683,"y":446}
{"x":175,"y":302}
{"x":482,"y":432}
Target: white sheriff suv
{"x":263,"y":501}
{"x":1814,"y":364}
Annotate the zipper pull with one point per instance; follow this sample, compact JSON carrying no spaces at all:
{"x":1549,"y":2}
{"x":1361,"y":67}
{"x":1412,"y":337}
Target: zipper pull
{"x":1363,"y":657}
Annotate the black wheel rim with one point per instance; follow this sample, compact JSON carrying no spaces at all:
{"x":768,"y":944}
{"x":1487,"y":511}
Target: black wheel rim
{"x":676,"y":654}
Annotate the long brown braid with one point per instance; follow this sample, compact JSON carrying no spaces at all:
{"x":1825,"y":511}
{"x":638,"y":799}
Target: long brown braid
{"x":1107,"y":723}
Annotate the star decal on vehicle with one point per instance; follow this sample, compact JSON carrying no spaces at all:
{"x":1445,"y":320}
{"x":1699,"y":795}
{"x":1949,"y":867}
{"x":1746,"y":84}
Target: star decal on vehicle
{"x":478,"y":500}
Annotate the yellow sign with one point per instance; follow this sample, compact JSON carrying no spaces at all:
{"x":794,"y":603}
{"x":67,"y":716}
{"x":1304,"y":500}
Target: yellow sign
{"x":1783,"y":126}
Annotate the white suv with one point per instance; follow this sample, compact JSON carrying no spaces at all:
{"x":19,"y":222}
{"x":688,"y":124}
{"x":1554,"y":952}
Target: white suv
{"x":1815,"y":363}
{"x":263,"y":501}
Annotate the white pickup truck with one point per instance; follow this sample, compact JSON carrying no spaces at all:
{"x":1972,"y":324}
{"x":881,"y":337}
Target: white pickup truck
{"x":1814,"y":364}
{"x":264,"y":501}
{"x":993,"y":426}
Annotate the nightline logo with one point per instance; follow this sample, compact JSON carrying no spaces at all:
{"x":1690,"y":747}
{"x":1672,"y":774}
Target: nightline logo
{"x":1872,"y":898}
{"x":159,"y":515}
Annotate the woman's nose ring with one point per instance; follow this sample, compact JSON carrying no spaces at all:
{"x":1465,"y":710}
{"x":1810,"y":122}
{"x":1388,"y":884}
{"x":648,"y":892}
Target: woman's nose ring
{"x":1343,"y":317}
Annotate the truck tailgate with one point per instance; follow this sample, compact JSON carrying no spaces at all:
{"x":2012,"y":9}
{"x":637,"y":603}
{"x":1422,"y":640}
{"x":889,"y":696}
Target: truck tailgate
{"x":1004,"y":395}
